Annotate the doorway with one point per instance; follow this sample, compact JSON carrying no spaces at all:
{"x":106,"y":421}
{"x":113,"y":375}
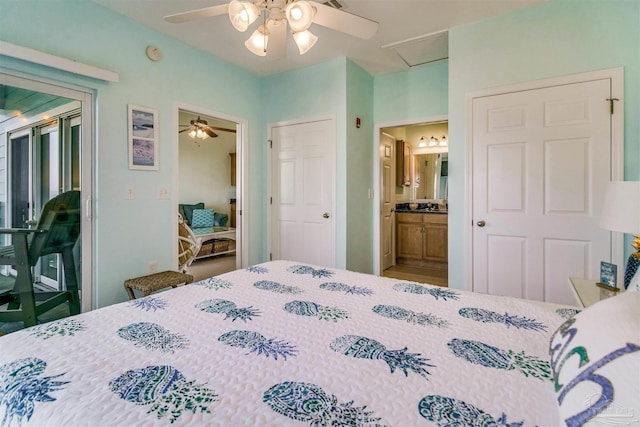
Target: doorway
{"x":209,"y":178}
{"x":413,"y":238}
{"x":46,"y":142}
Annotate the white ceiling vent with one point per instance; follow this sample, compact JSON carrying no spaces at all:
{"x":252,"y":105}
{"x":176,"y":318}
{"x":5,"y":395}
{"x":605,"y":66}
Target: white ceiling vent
{"x":422,"y":49}
{"x":333,"y":3}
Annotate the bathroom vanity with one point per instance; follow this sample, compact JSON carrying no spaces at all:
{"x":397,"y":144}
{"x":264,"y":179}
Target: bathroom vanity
{"x":421,"y":238}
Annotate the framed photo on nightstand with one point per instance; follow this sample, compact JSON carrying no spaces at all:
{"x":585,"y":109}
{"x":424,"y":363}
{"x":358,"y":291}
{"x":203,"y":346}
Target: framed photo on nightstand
{"x":608,"y":274}
{"x":608,"y":277}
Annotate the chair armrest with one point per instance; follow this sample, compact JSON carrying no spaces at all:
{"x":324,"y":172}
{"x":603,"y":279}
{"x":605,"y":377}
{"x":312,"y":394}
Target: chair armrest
{"x":21,"y":230}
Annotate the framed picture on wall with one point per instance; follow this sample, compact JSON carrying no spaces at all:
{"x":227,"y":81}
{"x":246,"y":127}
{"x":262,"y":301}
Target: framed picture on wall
{"x":143,"y":138}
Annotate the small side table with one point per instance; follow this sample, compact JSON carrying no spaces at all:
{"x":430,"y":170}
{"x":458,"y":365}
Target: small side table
{"x":587,"y":292}
{"x":154,"y":282}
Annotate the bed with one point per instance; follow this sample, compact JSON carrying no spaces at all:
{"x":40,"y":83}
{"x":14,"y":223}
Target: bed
{"x":290,"y":344}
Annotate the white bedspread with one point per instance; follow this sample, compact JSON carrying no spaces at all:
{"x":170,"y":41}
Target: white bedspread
{"x":285,"y":344}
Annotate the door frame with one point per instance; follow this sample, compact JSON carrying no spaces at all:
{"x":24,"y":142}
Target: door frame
{"x":86,"y":97}
{"x":333,"y":120}
{"x":617,"y":148}
{"x":242,"y":140}
{"x":377,"y":180}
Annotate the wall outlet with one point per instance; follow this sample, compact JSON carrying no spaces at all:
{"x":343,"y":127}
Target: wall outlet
{"x":153,"y":267}
{"x":163,"y":193}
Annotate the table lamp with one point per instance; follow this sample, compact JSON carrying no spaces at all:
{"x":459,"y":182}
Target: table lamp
{"x":621,"y":212}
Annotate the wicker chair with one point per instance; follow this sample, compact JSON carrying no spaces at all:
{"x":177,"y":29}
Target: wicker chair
{"x":56,"y":232}
{"x":188,"y":245}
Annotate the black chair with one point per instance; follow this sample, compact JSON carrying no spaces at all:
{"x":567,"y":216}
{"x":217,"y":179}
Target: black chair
{"x":57,"y":232}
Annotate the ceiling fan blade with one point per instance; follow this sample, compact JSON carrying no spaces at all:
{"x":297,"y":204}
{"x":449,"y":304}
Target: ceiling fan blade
{"x":209,"y":132}
{"x":223,"y":129}
{"x":184,"y":130}
{"x":347,"y":23}
{"x":277,"y":47}
{"x":192,"y":15}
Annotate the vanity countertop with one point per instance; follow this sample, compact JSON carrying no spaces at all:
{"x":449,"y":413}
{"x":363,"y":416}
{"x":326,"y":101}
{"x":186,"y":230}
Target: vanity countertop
{"x":433,"y":208}
{"x":421,"y":211}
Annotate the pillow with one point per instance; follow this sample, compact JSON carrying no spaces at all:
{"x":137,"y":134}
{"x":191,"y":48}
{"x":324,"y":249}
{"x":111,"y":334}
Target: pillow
{"x":594,"y":360}
{"x":220,"y":219}
{"x":187,"y":211}
{"x":202,"y":218}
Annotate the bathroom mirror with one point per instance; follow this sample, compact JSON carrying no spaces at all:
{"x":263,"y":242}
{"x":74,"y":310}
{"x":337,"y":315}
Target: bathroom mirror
{"x":430,"y":176}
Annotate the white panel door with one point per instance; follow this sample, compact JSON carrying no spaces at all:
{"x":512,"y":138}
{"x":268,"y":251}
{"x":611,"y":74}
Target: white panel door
{"x":387,"y":199}
{"x":541,"y":162}
{"x":303,"y":161}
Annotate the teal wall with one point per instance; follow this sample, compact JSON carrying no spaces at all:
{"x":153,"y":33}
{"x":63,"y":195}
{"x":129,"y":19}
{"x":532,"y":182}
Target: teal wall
{"x":552,"y":39}
{"x":415,"y":94}
{"x":130,"y":233}
{"x":317,"y":91}
{"x":555,"y":38}
{"x":359,"y":169}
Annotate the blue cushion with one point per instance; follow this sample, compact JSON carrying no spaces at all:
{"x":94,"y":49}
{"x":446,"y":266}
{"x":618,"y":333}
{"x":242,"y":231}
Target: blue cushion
{"x":220,"y":219}
{"x":187,"y":210}
{"x":202,"y":218}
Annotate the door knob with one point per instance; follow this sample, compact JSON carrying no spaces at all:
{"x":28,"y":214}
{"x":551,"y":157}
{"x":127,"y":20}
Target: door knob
{"x":481,"y":223}
{"x":326,"y":215}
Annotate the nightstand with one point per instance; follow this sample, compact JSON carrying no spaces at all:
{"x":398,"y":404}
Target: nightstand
{"x":587,"y":292}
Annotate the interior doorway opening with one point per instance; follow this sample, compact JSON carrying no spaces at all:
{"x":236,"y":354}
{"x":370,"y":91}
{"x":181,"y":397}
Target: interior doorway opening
{"x":208,"y":191}
{"x":413,"y":221}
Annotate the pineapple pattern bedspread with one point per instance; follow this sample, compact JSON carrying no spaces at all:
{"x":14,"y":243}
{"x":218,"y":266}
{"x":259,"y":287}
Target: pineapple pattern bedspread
{"x":288,"y":344}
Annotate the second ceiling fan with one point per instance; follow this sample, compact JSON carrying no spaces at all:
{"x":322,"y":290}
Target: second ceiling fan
{"x":272,"y":33}
{"x":199,"y":128}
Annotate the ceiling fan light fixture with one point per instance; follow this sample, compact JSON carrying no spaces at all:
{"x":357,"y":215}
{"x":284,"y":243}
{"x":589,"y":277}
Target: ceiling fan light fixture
{"x":257,"y":43}
{"x":192,"y":133}
{"x":304,"y":40}
{"x":299,"y":15}
{"x":242,"y":14}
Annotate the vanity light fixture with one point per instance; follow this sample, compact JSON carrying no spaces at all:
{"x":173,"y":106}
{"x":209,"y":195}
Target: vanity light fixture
{"x":422,"y":143}
{"x":433,"y":141}
{"x":443,"y":141}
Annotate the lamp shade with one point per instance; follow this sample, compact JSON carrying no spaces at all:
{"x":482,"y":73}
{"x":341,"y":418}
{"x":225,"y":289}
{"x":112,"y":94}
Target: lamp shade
{"x":242,"y":14}
{"x":257,"y":43}
{"x":621,"y":209}
{"x":300,"y":15}
{"x":304,"y":40}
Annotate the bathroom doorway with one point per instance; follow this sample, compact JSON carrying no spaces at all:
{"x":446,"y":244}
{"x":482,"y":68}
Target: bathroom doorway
{"x":413,"y":214}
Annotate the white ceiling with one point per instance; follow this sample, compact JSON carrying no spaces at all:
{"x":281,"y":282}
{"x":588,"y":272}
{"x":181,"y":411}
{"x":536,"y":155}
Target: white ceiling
{"x":400,"y":20}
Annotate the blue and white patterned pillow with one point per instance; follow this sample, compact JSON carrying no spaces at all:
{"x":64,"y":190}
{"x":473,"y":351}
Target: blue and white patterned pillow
{"x":202,"y":218}
{"x":594,"y":360}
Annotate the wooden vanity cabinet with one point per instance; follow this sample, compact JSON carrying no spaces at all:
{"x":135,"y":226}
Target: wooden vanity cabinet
{"x":409,"y":236}
{"x":403,"y":164}
{"x":232,"y":178}
{"x":421,"y":239}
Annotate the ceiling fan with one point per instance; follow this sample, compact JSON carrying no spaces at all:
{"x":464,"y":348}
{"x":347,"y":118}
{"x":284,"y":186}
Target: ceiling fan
{"x":199,"y":128}
{"x":298,"y":14}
